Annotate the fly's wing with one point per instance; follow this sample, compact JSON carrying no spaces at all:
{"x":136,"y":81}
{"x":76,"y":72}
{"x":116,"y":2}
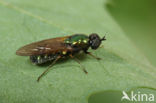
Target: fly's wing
{"x":43,"y":47}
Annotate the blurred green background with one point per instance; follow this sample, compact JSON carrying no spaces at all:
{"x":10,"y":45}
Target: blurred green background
{"x":137,"y":18}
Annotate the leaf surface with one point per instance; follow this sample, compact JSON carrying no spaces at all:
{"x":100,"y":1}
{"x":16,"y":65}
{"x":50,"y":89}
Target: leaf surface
{"x":122,"y":66}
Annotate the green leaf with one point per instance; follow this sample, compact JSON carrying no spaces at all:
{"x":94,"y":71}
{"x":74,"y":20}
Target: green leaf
{"x":137,"y":20}
{"x":122,"y":66}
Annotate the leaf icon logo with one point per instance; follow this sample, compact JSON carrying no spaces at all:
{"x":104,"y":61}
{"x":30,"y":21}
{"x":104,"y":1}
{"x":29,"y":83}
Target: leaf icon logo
{"x":125,"y":96}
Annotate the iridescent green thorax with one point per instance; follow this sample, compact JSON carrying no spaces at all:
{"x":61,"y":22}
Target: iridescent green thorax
{"x":77,"y":39}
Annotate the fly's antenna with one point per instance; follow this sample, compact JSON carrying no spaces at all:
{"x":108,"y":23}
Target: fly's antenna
{"x":104,"y":38}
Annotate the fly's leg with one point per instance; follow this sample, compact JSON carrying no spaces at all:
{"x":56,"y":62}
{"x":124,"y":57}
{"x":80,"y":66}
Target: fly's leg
{"x":89,"y":53}
{"x":79,"y":63}
{"x":38,"y":79}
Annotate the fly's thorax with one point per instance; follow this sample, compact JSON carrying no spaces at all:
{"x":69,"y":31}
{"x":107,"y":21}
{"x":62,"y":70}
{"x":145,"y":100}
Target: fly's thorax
{"x":77,"y":39}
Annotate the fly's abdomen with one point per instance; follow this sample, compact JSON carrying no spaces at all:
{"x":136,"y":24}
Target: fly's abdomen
{"x":40,"y":59}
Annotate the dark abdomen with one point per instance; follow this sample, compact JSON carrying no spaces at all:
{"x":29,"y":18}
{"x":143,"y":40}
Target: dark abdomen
{"x":40,"y":59}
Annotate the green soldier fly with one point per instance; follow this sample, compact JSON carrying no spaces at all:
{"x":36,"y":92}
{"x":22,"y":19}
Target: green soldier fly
{"x":61,"y":47}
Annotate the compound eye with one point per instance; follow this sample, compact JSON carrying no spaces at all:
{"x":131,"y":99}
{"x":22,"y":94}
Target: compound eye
{"x":94,"y":41}
{"x":92,"y":37}
{"x":95,"y":44}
